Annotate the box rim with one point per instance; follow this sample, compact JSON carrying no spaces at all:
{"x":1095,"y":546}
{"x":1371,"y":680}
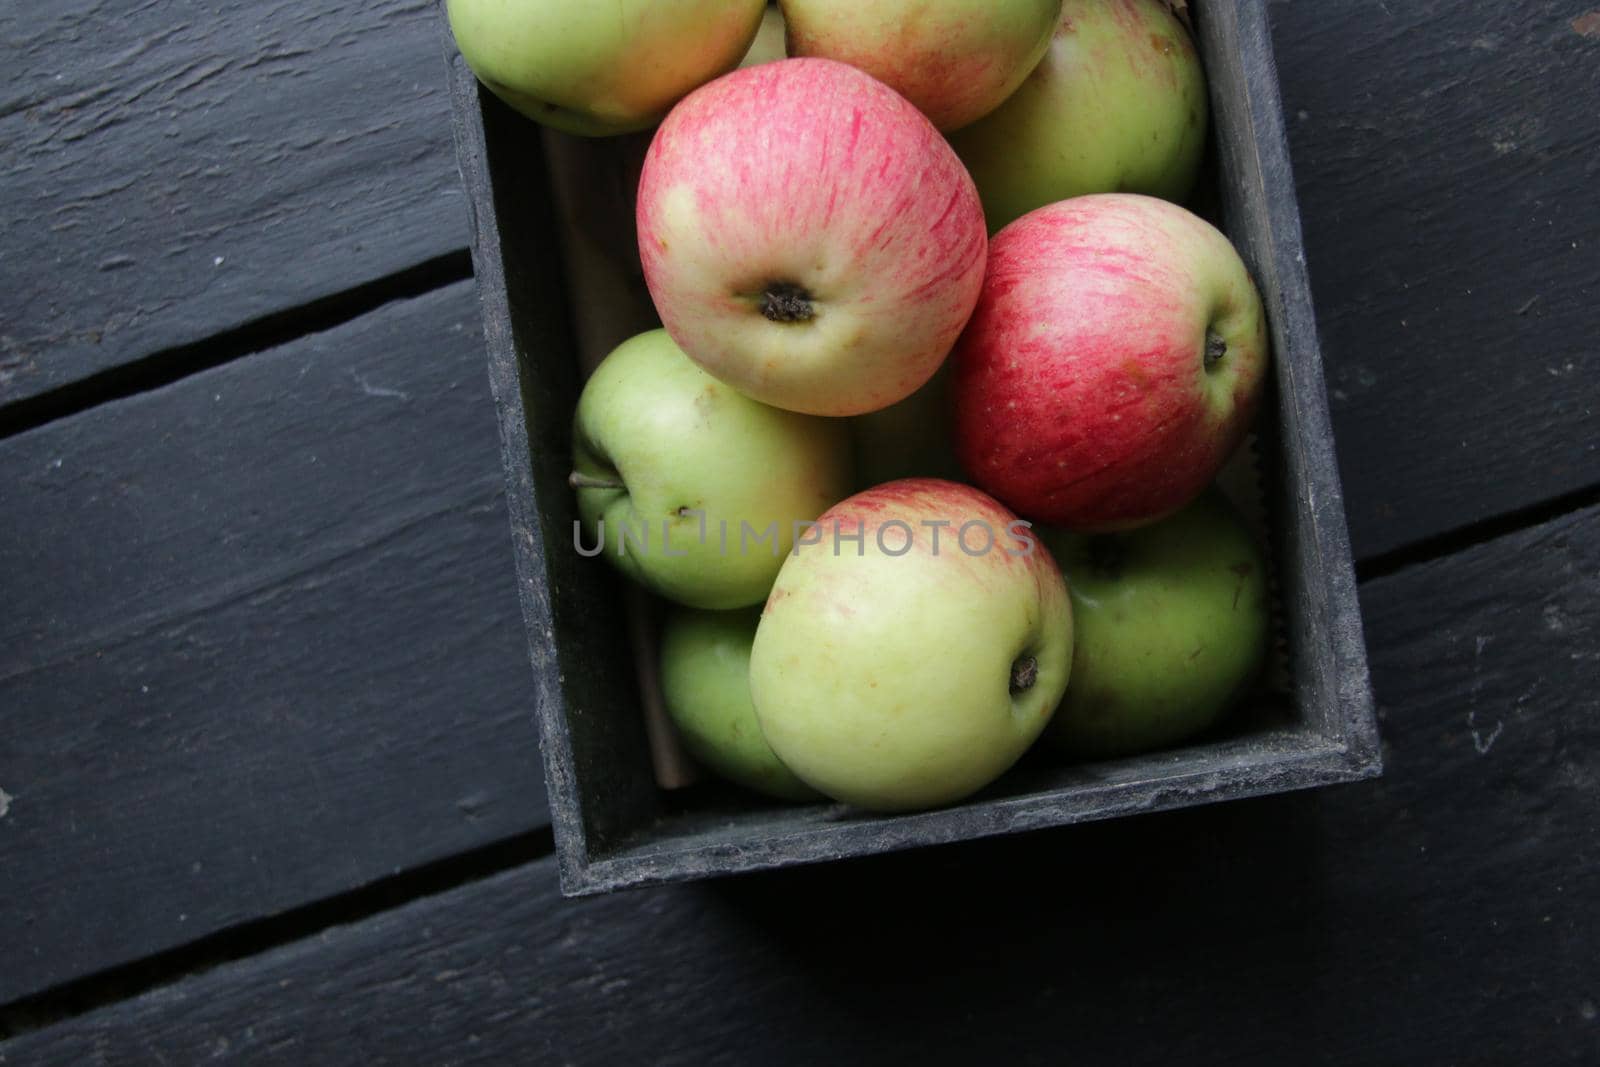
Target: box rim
{"x":1300,"y":371}
{"x":1310,"y":768}
{"x":1350,"y":751}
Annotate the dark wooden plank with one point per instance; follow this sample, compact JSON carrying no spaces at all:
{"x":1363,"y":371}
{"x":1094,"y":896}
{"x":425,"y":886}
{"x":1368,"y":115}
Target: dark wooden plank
{"x":261,"y":643}
{"x":1442,"y":914}
{"x":1448,"y":163}
{"x":168,"y":171}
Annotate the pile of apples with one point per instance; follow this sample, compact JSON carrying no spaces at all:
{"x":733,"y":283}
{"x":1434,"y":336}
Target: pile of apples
{"x":924,"y":453}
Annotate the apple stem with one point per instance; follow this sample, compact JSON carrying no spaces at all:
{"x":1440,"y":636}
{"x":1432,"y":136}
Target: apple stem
{"x":589,"y":481}
{"x":1024,"y":673}
{"x":787,"y":302}
{"x":1216,"y":348}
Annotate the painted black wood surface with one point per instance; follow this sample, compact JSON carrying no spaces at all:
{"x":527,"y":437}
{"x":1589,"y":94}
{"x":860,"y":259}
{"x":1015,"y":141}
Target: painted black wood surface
{"x":1443,"y":914}
{"x":170,"y":171}
{"x":1448,"y":162}
{"x":258,"y":646}
{"x":1437,"y":916}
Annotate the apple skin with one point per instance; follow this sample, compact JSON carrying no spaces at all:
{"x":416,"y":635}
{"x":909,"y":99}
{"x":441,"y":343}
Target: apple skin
{"x":885,"y":681}
{"x":1113,"y":365}
{"x":1172,"y":627}
{"x":1117,"y":105}
{"x":808,"y":237}
{"x":956,"y":60}
{"x":680,"y":442}
{"x":600,"y":69}
{"x":705,"y":684}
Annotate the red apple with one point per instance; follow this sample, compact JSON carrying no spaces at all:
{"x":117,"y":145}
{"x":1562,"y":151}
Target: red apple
{"x":808,"y":237}
{"x":1113,"y":364}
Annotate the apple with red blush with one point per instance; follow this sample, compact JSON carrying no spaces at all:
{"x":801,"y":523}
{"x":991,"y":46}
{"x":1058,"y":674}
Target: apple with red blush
{"x":1113,"y":364}
{"x":956,"y":60}
{"x":915,"y":644}
{"x":808,"y":237}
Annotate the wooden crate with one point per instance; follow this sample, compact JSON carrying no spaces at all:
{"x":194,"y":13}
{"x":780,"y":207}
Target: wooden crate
{"x":615,"y":828}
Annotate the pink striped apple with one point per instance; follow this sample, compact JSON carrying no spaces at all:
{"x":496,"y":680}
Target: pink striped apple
{"x":1113,"y":364}
{"x":808,"y":237}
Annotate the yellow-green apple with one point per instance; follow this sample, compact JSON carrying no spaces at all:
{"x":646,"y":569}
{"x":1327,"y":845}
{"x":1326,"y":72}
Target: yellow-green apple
{"x":1113,"y":364}
{"x":955,"y":59}
{"x":768,"y":46}
{"x":598,"y":69}
{"x":912,"y":648}
{"x":1117,"y":105}
{"x":907,"y":439}
{"x":705,"y":684}
{"x":689,"y":487}
{"x":1171,"y":628}
{"x":808,"y":237}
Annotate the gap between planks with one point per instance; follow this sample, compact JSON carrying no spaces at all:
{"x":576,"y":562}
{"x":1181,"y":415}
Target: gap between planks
{"x":251,"y":938}
{"x":1473,"y":534}
{"x":258,"y":335}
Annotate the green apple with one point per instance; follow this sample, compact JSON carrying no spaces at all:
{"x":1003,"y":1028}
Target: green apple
{"x":955,"y":59}
{"x":1172,"y":627}
{"x":689,"y":487}
{"x":600,"y":68}
{"x":1117,"y":104}
{"x":907,"y":439}
{"x":705,"y":684}
{"x":914,"y":645}
{"x":768,"y":46}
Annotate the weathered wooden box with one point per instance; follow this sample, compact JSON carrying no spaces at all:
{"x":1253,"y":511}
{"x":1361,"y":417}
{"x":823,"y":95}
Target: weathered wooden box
{"x":614,"y":828}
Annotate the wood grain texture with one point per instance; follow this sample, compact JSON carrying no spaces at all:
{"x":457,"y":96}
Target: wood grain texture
{"x":260,"y":643}
{"x":171,"y":170}
{"x":1442,"y":914}
{"x":1448,"y":163}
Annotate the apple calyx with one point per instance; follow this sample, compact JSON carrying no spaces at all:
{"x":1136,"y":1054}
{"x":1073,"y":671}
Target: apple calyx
{"x":787,"y":302}
{"x":1216,"y":348}
{"x":1024,"y":672}
{"x":578,"y":480}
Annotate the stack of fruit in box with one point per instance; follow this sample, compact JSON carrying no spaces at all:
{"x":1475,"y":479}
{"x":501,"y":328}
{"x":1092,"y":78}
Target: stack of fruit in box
{"x":922,"y":494}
